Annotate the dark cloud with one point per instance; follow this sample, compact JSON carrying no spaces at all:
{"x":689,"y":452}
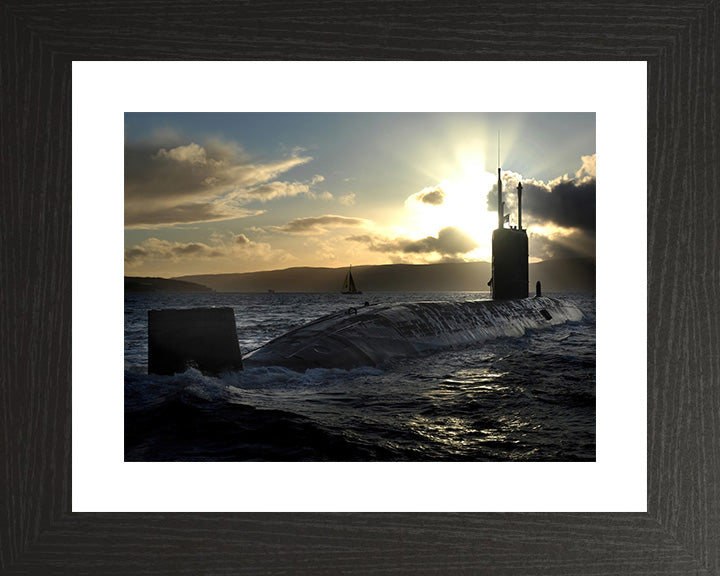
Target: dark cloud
{"x":450,"y":241}
{"x":568,"y":203}
{"x":433,"y":195}
{"x":220,"y":247}
{"x":318,"y":224}
{"x":564,"y":202}
{"x":134,"y":255}
{"x":181,"y":173}
{"x":200,"y":183}
{"x":575,"y":243}
{"x":190,"y":249}
{"x":154,"y":248}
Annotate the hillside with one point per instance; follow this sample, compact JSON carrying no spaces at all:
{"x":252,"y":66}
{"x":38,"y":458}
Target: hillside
{"x":570,"y":275}
{"x":138,"y":284}
{"x":564,"y":275}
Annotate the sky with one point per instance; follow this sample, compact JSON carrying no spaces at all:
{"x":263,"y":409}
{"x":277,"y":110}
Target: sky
{"x":211,"y":193}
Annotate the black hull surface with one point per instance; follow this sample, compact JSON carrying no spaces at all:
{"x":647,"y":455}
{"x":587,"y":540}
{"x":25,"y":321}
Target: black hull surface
{"x":372,"y":335}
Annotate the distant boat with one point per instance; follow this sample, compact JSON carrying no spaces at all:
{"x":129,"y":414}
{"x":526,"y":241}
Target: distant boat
{"x":348,"y":286}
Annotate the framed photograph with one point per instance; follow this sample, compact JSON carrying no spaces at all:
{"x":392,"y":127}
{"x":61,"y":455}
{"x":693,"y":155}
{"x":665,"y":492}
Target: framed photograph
{"x":382,"y":301}
{"x":414,"y":378}
{"x":643,"y":503}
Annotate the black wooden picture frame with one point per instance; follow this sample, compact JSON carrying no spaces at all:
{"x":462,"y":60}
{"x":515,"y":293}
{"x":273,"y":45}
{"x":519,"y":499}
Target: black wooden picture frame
{"x":680,"y":533}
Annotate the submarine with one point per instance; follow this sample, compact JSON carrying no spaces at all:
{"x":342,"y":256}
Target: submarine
{"x":369,"y":335}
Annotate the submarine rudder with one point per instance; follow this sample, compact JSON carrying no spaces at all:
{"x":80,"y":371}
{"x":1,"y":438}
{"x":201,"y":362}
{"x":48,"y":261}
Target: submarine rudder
{"x":205,"y":338}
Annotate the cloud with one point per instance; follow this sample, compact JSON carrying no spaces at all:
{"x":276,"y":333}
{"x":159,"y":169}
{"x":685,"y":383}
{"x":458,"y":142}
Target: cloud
{"x":279,"y":189}
{"x":272,"y":190}
{"x":433,"y":195}
{"x":228,"y":246}
{"x":587,"y":170}
{"x":347,"y":199}
{"x":159,"y":215}
{"x":319,"y":224}
{"x":190,"y":154}
{"x":563,"y":243}
{"x":560,"y":214}
{"x":205,"y":182}
{"x":567,"y":202}
{"x":157,"y":249}
{"x":135,"y":255}
{"x":450,"y":241}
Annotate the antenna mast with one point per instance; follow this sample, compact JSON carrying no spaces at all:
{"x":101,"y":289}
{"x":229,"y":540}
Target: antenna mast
{"x":500,"y":202}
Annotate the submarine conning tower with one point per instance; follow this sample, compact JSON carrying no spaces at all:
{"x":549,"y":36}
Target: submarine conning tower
{"x":509,"y":254}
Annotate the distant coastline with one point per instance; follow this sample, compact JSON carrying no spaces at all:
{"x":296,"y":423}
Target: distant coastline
{"x":558,"y":275}
{"x":142,"y":284}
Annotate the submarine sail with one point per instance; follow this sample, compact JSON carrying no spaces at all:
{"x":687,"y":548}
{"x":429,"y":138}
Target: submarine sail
{"x":509,"y":254}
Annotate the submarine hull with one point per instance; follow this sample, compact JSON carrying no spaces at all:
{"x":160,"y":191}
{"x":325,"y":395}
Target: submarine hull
{"x":372,"y":335}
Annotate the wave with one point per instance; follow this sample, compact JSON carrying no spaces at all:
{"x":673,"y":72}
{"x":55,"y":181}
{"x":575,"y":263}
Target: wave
{"x":193,"y":417}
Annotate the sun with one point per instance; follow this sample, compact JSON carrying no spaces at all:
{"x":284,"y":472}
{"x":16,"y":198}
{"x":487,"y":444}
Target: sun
{"x":459,"y":202}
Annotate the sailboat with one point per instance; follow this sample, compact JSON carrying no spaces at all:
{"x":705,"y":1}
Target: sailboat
{"x":348,"y":286}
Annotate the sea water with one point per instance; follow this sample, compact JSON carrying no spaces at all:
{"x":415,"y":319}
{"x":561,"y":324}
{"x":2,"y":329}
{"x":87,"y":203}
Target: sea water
{"x":529,"y":398}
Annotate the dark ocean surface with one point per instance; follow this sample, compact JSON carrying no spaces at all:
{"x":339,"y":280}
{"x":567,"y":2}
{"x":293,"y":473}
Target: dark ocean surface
{"x":530,"y":398}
